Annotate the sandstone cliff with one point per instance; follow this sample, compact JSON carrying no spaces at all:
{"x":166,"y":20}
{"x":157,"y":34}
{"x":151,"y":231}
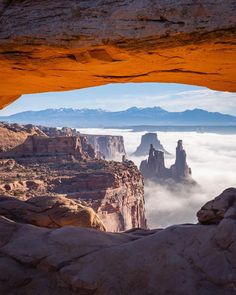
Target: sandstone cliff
{"x":39,"y":146}
{"x":105,"y":146}
{"x":67,"y":165}
{"x":108,"y":146}
{"x":50,"y":212}
{"x":12,"y":135}
{"x":181,"y":259}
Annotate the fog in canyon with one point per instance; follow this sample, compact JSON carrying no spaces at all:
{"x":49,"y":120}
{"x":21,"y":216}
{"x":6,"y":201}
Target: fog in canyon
{"x":212,"y":158}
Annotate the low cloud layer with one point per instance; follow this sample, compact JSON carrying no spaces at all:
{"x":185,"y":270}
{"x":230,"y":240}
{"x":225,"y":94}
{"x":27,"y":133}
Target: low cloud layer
{"x":212,"y":158}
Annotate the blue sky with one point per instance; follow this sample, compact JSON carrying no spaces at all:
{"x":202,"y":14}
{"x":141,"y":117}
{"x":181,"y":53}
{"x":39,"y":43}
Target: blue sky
{"x":172,"y":97}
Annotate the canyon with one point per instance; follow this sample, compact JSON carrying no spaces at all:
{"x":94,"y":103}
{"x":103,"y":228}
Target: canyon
{"x":67,"y":166}
{"x":53,"y":46}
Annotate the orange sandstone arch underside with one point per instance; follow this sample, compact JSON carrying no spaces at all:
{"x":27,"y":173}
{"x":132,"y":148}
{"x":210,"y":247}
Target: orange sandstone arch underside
{"x":63,"y":45}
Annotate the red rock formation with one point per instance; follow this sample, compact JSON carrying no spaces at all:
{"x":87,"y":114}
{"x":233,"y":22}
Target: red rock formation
{"x":36,"y":146}
{"x":181,"y":259}
{"x":12,"y":135}
{"x":50,"y":46}
{"x":108,"y":146}
{"x":114,"y":190}
{"x":66,"y":165}
{"x":51,"y":212}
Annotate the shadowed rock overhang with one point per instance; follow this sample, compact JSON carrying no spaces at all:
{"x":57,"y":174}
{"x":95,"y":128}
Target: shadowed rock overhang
{"x":63,"y":45}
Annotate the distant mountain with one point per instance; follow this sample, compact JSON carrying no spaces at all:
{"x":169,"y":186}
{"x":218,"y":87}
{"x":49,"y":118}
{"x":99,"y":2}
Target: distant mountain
{"x":131,"y":117}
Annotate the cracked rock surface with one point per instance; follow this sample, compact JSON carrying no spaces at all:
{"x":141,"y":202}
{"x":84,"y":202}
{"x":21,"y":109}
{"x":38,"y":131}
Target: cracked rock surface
{"x":182,"y":259}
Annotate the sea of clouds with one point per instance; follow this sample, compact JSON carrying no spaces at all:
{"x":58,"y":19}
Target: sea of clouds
{"x":212,"y":158}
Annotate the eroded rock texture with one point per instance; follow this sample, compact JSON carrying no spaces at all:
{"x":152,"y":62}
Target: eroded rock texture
{"x":114,"y":190}
{"x":181,"y":259}
{"x":12,"y":135}
{"x":15,"y":135}
{"x":51,"y":212}
{"x":57,"y":45}
{"x":40,"y":165}
{"x":107,"y":146}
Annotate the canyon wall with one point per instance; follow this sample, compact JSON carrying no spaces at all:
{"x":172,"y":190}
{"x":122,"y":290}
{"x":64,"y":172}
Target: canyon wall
{"x":57,"y":46}
{"x":66,"y":165}
{"x":38,"y":146}
{"x":108,"y":146}
{"x":111,"y":146}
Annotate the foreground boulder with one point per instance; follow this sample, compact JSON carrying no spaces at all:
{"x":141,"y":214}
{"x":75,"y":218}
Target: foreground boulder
{"x":50,"y":212}
{"x":181,"y":260}
{"x":223,"y":206}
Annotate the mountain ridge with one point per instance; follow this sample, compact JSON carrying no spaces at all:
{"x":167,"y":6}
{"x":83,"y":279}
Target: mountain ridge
{"x":82,"y":118}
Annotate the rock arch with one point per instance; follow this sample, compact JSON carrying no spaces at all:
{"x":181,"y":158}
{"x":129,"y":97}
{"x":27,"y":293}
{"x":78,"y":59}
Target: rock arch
{"x":63,"y":45}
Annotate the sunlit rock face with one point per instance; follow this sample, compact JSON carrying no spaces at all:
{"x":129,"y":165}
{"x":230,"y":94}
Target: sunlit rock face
{"x":105,"y":146}
{"x":50,"y":212}
{"x":15,"y":135}
{"x":53,"y":46}
{"x":36,"y":164}
{"x":181,"y":259}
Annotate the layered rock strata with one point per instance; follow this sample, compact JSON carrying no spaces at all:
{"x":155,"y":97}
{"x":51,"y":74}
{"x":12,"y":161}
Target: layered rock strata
{"x":107,"y":146}
{"x":13,"y":135}
{"x":114,"y":190}
{"x":38,"y":146}
{"x":181,"y":259}
{"x":50,"y":46}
